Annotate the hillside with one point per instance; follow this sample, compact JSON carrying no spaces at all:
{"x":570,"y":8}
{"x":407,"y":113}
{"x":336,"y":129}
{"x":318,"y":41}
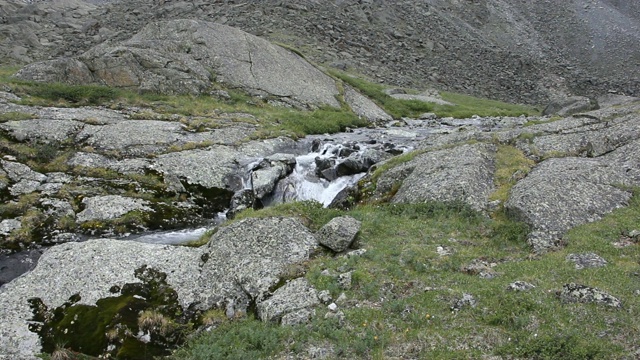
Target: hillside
{"x":523,"y":51}
{"x":296,"y":180}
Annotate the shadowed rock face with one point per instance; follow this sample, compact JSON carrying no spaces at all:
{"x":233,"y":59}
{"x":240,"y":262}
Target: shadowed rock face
{"x":190,"y":56}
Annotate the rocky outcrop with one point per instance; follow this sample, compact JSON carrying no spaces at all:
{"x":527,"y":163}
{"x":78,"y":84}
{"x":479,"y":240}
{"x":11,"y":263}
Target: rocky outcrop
{"x":109,"y":207}
{"x":462,"y":174}
{"x":585,"y":294}
{"x":569,"y":106}
{"x":227,"y":273}
{"x":190,"y":56}
{"x":289,"y":303}
{"x":239,"y":273}
{"x":565,"y":192}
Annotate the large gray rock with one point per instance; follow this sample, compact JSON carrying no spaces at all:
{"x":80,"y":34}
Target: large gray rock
{"x":339,"y":233}
{"x":294,"y":296}
{"x":89,"y":269}
{"x":189,"y":56}
{"x":270,"y":171}
{"x":209,"y":168}
{"x":241,"y":263}
{"x":247,"y":258}
{"x":46,"y":130}
{"x":585,"y":294}
{"x":464,"y":173}
{"x":562,"y":193}
{"x":110,"y":207}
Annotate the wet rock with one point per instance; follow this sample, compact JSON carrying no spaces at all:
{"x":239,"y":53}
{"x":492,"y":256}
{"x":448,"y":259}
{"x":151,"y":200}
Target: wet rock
{"x":241,"y":200}
{"x":467,"y":300}
{"x":569,"y":106}
{"x":360,"y":162}
{"x":581,"y":293}
{"x":520,"y":286}
{"x":244,"y":271}
{"x":110,"y":207}
{"x":464,"y":173}
{"x":588,"y":260}
{"x":339,"y":233}
{"x":270,"y":171}
{"x":14,"y":265}
{"x":294,"y":296}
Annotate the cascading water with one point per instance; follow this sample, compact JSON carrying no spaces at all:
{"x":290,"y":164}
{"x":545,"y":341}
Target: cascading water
{"x":305,"y":184}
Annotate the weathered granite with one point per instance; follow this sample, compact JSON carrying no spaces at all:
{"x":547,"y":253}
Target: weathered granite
{"x":339,"y":233}
{"x":110,"y":207}
{"x":294,"y":296}
{"x":463,"y":173}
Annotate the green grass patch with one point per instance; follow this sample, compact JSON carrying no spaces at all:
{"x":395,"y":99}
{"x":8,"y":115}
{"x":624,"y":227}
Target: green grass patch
{"x":400,"y":301}
{"x":511,"y":166}
{"x":465,"y":105}
{"x":15,"y":116}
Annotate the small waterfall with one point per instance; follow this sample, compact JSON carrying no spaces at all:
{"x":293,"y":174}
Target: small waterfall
{"x":304,"y":182}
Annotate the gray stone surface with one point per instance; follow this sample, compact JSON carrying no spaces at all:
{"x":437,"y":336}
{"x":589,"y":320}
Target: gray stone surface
{"x":339,"y":233}
{"x":364,"y":107}
{"x":247,"y":258}
{"x":463,"y":173}
{"x":47,"y":130}
{"x":17,"y":171}
{"x":581,"y":293}
{"x":568,"y":106}
{"x":125,"y":166}
{"x":110,"y":207}
{"x":209,"y":168}
{"x":240,"y":264}
{"x":561,"y":193}
{"x":188,"y":56}
{"x":90,"y":269}
{"x":294,"y":296}
{"x":520,"y":286}
{"x":271,"y":170}
{"x":8,"y":225}
{"x":587,"y":260}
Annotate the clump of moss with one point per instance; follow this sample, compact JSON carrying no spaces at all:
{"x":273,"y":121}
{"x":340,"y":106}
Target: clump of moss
{"x":113,"y":326}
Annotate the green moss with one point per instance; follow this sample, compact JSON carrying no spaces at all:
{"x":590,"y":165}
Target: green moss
{"x":111,"y":327}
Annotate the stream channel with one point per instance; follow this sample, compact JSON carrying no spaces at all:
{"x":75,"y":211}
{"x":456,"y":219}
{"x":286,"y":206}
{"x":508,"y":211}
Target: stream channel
{"x":343,"y":158}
